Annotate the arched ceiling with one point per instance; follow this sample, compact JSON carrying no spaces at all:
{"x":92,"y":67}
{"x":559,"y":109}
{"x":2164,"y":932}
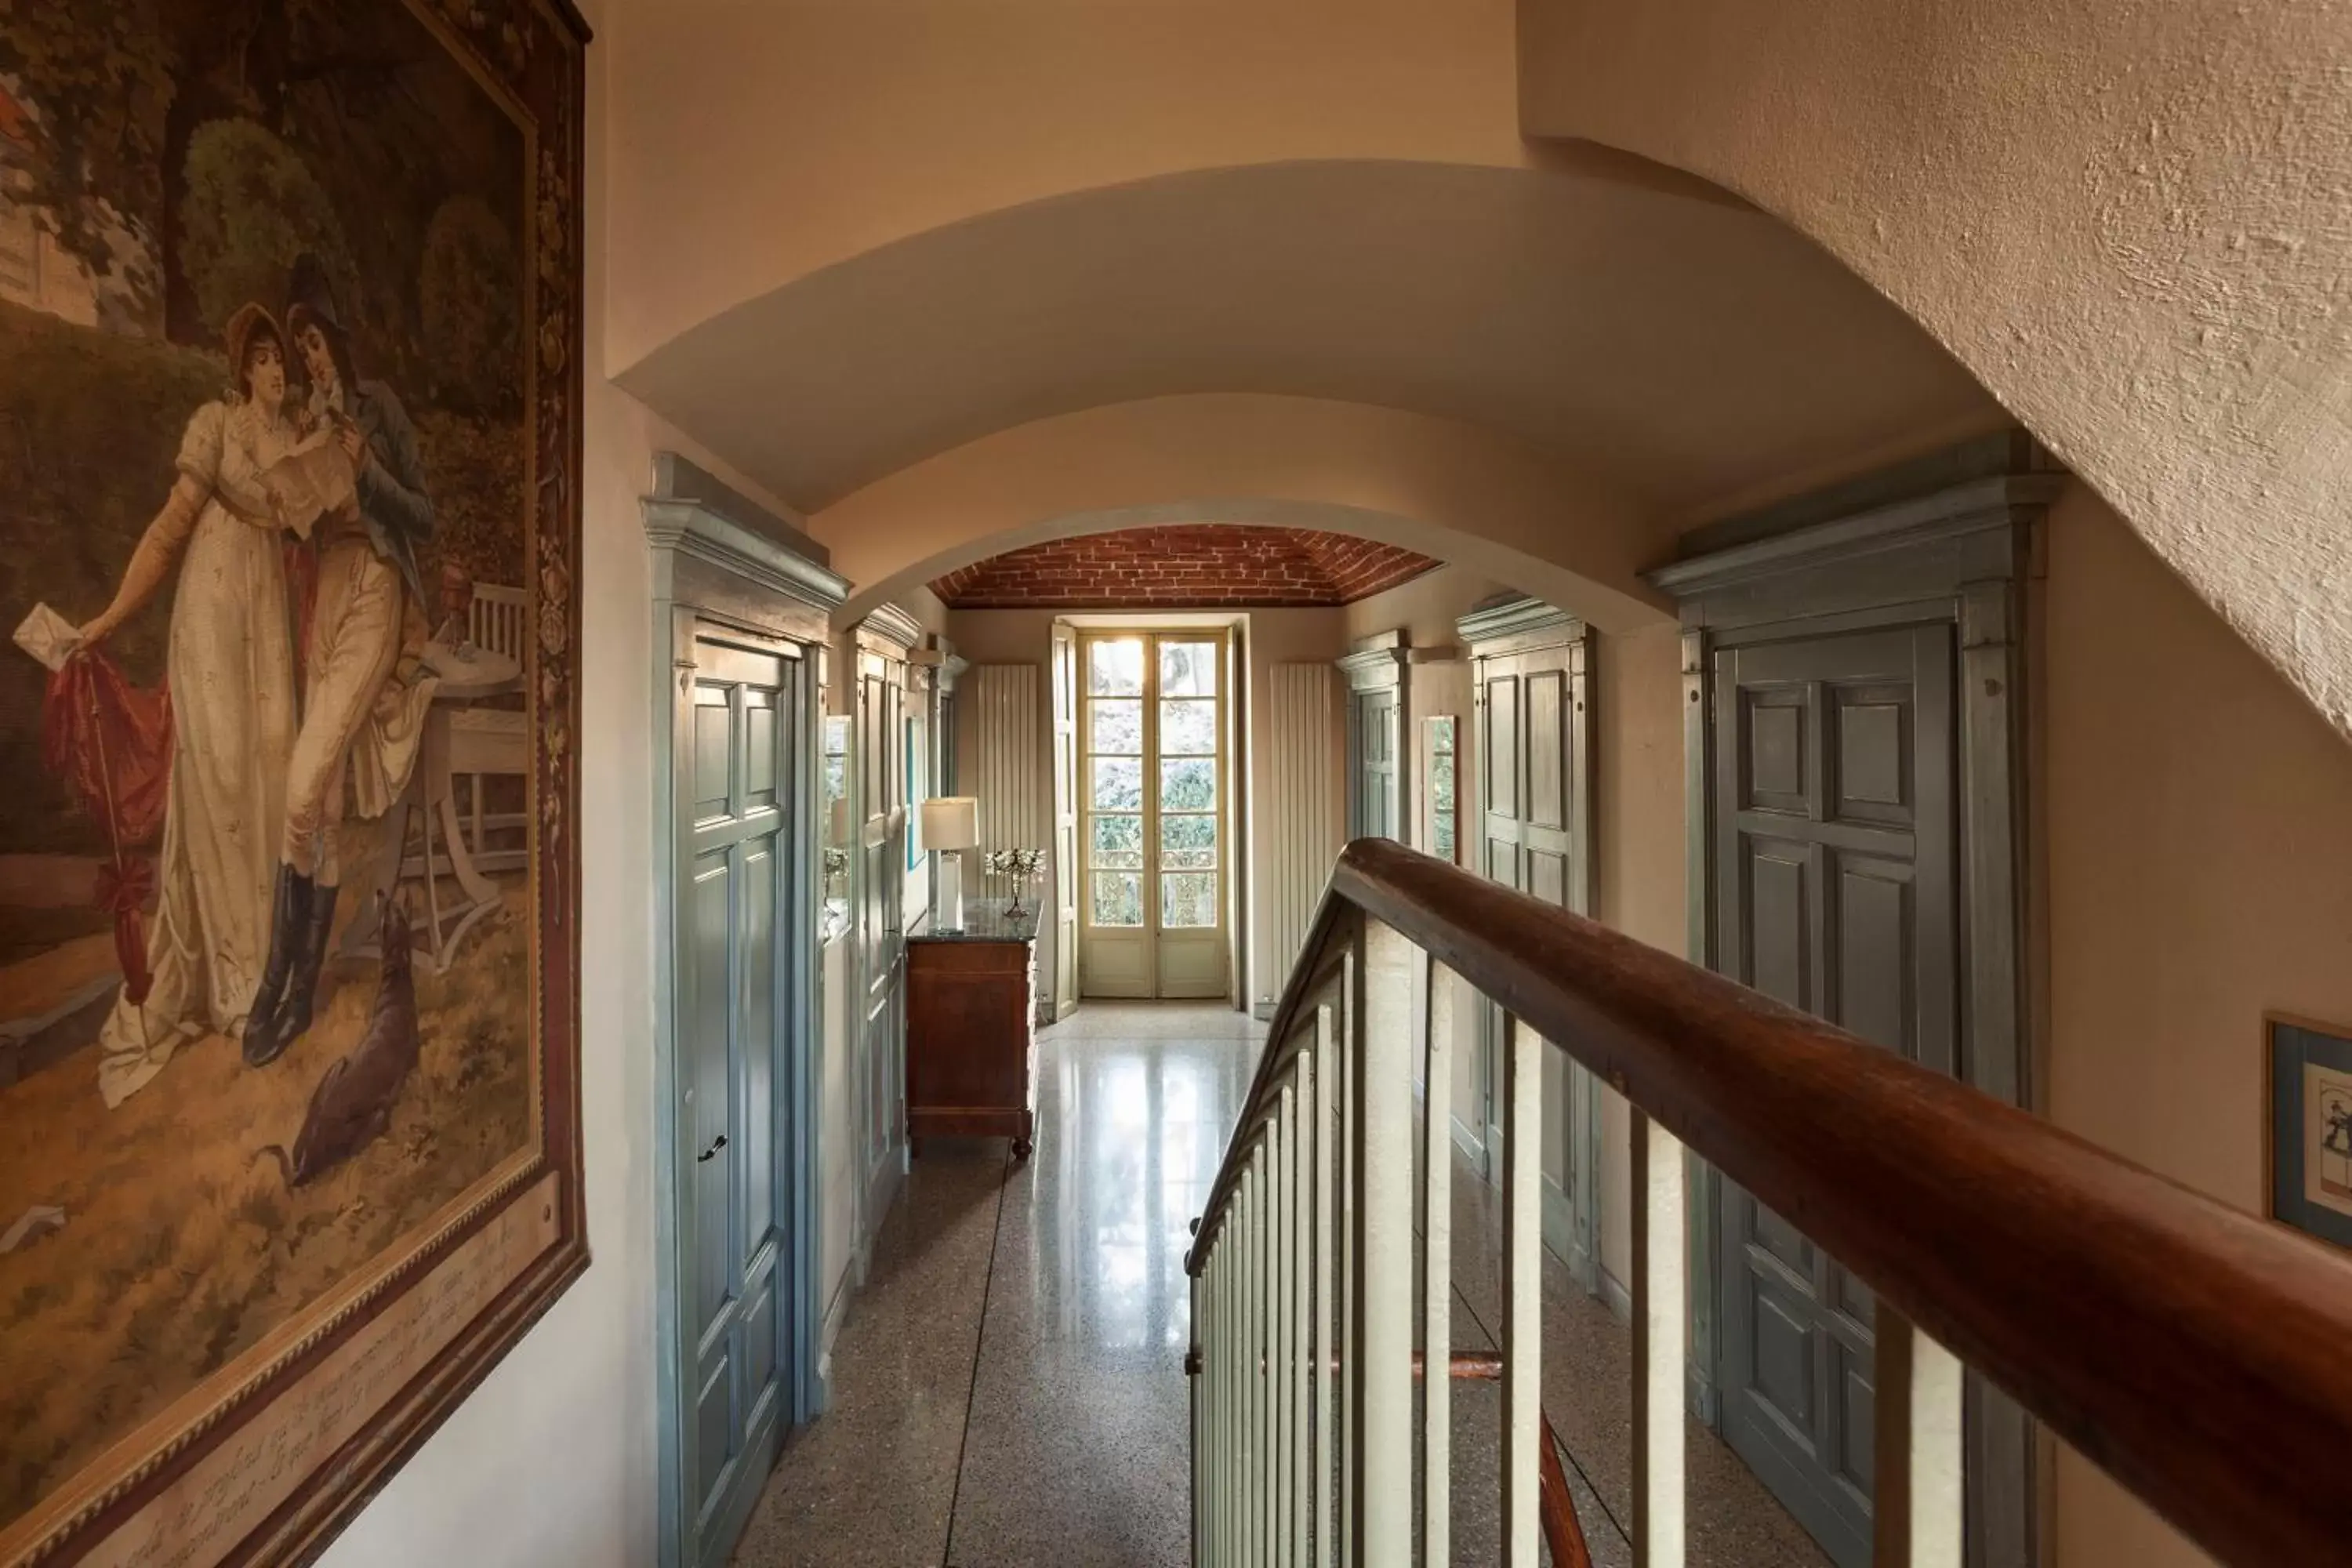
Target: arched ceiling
{"x":1183,"y":565}
{"x":1678,"y":349}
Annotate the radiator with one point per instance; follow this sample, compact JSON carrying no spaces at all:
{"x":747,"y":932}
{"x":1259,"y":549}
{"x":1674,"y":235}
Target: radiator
{"x":1004,"y":729}
{"x":1304,"y":806}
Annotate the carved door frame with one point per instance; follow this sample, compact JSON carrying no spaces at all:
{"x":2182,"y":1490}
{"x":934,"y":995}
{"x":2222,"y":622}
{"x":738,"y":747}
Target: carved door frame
{"x":711,"y":573}
{"x":1954,"y":538}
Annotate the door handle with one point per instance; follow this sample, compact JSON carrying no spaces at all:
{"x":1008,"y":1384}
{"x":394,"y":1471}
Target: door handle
{"x":716,"y":1145}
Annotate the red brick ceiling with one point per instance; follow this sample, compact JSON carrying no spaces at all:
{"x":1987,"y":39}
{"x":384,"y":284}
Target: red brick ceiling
{"x":1188,"y":566}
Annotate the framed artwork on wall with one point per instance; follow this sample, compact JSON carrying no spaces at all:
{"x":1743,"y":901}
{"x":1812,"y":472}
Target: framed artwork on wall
{"x":289,"y":352}
{"x":2308,"y":1126}
{"x":919,"y":787}
{"x":1441,"y":807}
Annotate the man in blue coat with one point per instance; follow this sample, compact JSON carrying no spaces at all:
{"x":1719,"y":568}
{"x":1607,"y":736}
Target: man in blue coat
{"x":360,"y":732}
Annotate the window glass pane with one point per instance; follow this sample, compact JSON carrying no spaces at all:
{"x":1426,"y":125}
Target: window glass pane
{"x":1118,"y":725}
{"x":1117,"y":783}
{"x":1187,"y":785}
{"x":1188,"y":900}
{"x":1119,"y":842}
{"x":1115,"y":669}
{"x":1188,"y":842}
{"x":1188,"y":670}
{"x":1188,"y":729}
{"x":1119,"y":897}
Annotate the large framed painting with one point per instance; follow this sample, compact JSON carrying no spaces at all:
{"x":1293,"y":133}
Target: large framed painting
{"x":2308,"y":1126}
{"x":289,"y":458}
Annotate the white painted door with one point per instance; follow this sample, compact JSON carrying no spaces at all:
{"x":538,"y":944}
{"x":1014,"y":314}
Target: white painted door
{"x":1153,"y":821}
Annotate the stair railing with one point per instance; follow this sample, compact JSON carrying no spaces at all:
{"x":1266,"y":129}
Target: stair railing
{"x":2198,"y":1355}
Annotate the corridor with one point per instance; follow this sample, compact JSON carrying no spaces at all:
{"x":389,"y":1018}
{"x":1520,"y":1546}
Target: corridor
{"x":1008,"y":1387}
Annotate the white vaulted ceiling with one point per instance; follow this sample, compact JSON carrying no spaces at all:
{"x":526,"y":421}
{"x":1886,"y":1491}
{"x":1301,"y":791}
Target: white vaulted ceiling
{"x":1678,"y":346}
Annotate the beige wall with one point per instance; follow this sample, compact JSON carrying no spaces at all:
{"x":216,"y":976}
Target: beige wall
{"x":2125,"y":220}
{"x":1638,"y":805}
{"x":2199,"y":871}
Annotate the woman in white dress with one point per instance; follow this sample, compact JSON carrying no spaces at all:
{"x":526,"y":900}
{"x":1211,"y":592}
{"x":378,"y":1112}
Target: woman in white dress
{"x":231,"y":674}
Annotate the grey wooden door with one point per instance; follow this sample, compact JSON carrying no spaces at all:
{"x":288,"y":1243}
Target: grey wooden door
{"x":735,"y":833}
{"x":1373,"y":797}
{"x":881,"y":1030}
{"x":1835,"y":857}
{"x":1528,"y":840}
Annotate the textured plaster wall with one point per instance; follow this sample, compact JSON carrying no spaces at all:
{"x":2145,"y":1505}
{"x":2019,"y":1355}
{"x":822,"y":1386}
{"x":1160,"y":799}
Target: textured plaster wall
{"x":2132,"y":220}
{"x":2199,"y":871}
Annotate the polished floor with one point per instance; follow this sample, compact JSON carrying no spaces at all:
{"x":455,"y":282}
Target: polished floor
{"x":1009,"y":1386}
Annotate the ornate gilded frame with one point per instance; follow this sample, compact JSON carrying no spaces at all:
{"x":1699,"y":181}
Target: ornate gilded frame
{"x":311,"y":1425}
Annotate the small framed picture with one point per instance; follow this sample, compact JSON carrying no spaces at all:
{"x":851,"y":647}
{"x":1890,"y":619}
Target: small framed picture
{"x":2308,"y":1126}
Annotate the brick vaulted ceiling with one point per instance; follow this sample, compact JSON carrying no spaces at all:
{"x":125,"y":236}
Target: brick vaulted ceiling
{"x":1188,"y":566}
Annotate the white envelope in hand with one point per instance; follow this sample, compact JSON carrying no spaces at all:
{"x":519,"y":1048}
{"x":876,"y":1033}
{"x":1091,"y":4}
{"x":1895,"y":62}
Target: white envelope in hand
{"x":49,"y":638}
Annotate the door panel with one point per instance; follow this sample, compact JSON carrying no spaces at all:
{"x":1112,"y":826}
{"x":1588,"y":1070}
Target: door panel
{"x":736,"y":769}
{"x":1834,"y":846}
{"x":881,"y":711}
{"x":1527,"y":790}
{"x":1373,"y":719}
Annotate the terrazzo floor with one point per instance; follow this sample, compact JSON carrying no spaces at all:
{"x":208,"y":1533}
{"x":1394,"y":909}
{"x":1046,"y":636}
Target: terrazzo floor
{"x":1008,"y":1387}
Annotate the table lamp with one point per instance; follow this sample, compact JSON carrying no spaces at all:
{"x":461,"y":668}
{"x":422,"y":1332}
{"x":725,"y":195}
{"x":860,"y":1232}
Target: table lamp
{"x":950,"y":826}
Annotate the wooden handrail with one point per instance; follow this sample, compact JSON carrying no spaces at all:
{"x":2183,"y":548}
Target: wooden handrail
{"x":2198,"y":1355}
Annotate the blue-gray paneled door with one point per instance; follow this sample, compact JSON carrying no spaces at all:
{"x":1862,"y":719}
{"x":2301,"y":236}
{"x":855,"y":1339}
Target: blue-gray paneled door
{"x":736,"y":824}
{"x":1836,"y":854}
{"x":882,"y":952}
{"x":1374,"y":799}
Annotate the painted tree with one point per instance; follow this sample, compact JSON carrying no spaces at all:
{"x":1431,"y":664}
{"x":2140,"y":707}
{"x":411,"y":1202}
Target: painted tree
{"x":470,"y":293}
{"x":95,"y":82}
{"x":251,"y":206}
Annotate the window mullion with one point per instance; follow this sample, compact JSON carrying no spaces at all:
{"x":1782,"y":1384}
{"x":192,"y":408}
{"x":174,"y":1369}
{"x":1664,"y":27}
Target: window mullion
{"x":1151,"y":797}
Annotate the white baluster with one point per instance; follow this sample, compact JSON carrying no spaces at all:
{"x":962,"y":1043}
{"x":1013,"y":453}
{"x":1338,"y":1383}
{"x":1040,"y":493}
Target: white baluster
{"x":1522,"y":1293}
{"x":1919,"y":1521}
{"x":1306,"y":1343}
{"x":1660,"y":1331}
{"x":1348,"y":1194}
{"x":1278,"y":1382}
{"x":1197,"y":1387}
{"x":1437,"y":1271}
{"x":1323,"y":1463}
{"x":1384,"y":1291}
{"x":1212,"y":1464}
{"x":1251,"y":1459}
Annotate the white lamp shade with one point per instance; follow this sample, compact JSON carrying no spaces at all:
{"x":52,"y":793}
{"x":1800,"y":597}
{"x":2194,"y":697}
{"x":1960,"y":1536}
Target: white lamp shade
{"x":951,"y":822}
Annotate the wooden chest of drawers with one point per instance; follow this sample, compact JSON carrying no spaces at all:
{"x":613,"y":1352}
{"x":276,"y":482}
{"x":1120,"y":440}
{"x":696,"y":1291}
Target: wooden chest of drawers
{"x":971,"y":1051}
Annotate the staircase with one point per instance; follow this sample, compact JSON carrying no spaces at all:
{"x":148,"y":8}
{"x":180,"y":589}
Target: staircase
{"x":2201,"y":1355}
